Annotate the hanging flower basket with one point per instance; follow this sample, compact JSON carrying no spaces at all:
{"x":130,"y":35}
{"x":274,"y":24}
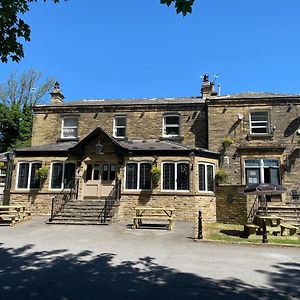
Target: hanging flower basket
{"x":155,"y":175}
{"x":1,"y":164}
{"x":221,"y":176}
{"x":42,"y":173}
{"x":227,"y":142}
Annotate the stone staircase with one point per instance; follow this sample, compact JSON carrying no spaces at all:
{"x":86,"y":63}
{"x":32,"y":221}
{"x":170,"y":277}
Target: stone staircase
{"x":290,"y":212}
{"x":86,"y":212}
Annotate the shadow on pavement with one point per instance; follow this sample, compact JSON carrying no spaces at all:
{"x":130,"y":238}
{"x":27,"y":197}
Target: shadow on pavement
{"x":25,"y":274}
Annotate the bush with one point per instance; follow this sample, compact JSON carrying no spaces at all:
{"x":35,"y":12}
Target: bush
{"x":155,"y":175}
{"x":221,"y":176}
{"x":227,"y":142}
{"x":42,"y":173}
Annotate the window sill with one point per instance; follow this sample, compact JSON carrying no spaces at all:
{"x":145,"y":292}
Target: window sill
{"x":171,"y":138}
{"x":263,"y":136}
{"x":75,"y":139}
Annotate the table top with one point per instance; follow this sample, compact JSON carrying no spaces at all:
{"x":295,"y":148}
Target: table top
{"x":154,"y":208}
{"x":12,"y":206}
{"x":269,"y":217}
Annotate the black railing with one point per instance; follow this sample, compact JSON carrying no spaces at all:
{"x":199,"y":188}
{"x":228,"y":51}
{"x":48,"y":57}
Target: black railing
{"x":253,"y":211}
{"x":69,"y":192}
{"x":295,"y":202}
{"x":110,"y":201}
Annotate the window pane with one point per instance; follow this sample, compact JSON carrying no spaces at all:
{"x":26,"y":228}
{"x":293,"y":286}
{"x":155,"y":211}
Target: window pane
{"x":172,"y":131}
{"x":23,"y":175}
{"x":210,"y":178}
{"x":131,"y":176}
{"x":34,"y":181}
{"x":120,"y":121}
{"x":112,"y":174}
{"x":56,"y":179}
{"x":105,"y":172}
{"x":270,"y":162}
{"x":172,"y":120}
{"x":120,"y":132}
{"x":252,"y":176}
{"x":70,"y":132}
{"x":169,"y":176}
{"x":274,"y":176}
{"x":145,"y":178}
{"x":89,"y":170}
{"x":183,"y":176}
{"x":70,"y":122}
{"x":252,"y":163}
{"x":202,"y":177}
{"x":69,"y":176}
{"x":259,"y":116}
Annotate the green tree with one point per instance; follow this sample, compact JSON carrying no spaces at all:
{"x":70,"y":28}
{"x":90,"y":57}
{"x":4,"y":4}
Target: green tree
{"x":13,"y":28}
{"x":17,"y":97}
{"x":182,"y":6}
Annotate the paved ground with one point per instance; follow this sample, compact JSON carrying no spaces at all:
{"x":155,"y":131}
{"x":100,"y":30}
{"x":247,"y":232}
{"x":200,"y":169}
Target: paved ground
{"x":39,"y":261}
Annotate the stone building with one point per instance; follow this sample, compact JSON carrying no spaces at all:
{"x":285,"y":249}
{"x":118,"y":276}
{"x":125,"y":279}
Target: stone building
{"x":111,"y":150}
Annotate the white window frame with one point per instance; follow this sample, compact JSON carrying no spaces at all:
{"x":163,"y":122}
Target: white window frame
{"x":261,"y":167}
{"x":267,"y":126}
{"x":206,"y":164}
{"x":175,"y":175}
{"x":63,"y":173}
{"x":29,"y":174}
{"x":69,"y":127}
{"x":164,"y":133}
{"x":138,"y":175}
{"x":116,"y":127}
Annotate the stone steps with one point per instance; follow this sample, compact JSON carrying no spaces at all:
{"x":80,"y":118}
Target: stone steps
{"x":289,"y":212}
{"x":86,"y":212}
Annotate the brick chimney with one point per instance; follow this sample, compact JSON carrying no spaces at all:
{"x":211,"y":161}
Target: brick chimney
{"x":56,"y":95}
{"x":208,"y":88}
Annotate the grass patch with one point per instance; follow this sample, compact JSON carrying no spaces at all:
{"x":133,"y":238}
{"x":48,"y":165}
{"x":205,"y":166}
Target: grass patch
{"x":235,"y":233}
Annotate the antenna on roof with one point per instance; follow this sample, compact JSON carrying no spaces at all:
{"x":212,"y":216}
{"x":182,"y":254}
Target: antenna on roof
{"x":216,"y":77}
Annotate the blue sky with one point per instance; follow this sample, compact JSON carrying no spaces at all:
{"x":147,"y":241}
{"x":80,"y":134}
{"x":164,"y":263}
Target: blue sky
{"x":132,"y":49}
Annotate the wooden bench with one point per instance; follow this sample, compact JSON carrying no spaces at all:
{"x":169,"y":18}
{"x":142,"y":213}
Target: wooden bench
{"x":137,"y":221}
{"x":10,"y":218}
{"x":292,"y":230}
{"x":250,"y":229}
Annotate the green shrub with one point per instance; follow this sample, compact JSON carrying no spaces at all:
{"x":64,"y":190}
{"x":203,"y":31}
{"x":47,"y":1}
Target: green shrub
{"x":221,"y":176}
{"x":227,"y":142}
{"x":155,"y":175}
{"x":42,"y":173}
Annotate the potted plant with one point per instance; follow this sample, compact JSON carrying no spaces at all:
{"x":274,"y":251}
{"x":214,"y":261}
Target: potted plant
{"x":221,"y":176}
{"x":42,"y":173}
{"x":227,"y":142}
{"x":1,"y":164}
{"x":155,"y":175}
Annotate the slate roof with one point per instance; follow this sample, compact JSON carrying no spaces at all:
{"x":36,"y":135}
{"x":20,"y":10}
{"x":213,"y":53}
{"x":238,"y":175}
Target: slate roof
{"x":57,"y":147}
{"x":129,"y":102}
{"x":256,"y":95}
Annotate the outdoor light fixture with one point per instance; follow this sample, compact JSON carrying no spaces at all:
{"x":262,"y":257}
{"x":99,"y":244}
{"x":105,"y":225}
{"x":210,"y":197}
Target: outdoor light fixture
{"x":99,"y":148}
{"x":192,"y":158}
{"x":240,"y":116}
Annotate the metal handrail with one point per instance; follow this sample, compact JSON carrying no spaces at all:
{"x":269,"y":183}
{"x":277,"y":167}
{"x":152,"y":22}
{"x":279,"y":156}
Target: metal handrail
{"x":253,"y":211}
{"x":68,"y":193}
{"x":111,"y":200}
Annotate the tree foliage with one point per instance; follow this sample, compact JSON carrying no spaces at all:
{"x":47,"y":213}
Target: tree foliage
{"x":182,"y":6}
{"x":13,"y":28}
{"x":17,"y":97}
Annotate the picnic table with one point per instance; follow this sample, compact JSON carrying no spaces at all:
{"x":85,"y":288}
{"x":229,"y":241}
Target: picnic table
{"x":143,"y":213}
{"x":13,"y":214}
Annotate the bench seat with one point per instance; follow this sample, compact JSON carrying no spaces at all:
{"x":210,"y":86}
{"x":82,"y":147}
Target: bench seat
{"x":138,"y":220}
{"x":288,"y":228}
{"x":250,"y":229}
{"x":6,"y":217}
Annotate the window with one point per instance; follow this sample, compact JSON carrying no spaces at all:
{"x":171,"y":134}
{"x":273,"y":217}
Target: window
{"x":62,"y":175}
{"x":109,"y":172}
{"x":262,"y":170}
{"x":2,"y":175}
{"x":259,"y":122}
{"x":119,"y":127}
{"x":176,"y":176}
{"x":206,"y":177}
{"x":171,"y":125}
{"x":69,"y":128}
{"x":138,"y":176}
{"x":27,"y":178}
